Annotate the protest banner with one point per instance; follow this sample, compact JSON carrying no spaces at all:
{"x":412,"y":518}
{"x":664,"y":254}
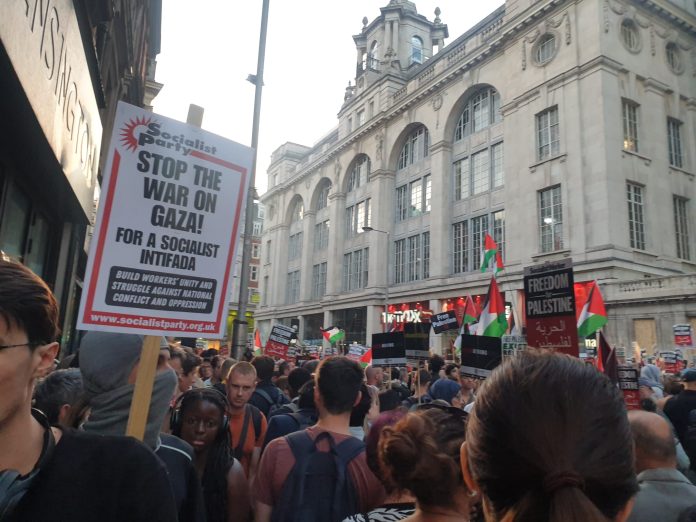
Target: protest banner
{"x":513,"y":344}
{"x":356,"y":351}
{"x":416,"y":342}
{"x":550,"y":307}
{"x":628,"y":384}
{"x":278,"y":343}
{"x":444,"y":321}
{"x":683,"y":335}
{"x":480,"y":355}
{"x":388,"y":349}
{"x":167,"y":226}
{"x":670,"y":362}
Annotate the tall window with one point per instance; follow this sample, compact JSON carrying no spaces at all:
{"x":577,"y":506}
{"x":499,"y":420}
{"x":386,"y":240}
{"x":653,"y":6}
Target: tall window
{"x":254,"y":272}
{"x":636,"y":223}
{"x":268,"y":251}
{"x":629,"y":35}
{"x":476,"y":174}
{"x":630,"y":125}
{"x":264,"y":291}
{"x":257,"y":228}
{"x":416,"y":188}
{"x":323,"y":199}
{"x":319,"y":281}
{"x":321,"y":236}
{"x":297,"y":212}
{"x":292,"y":289}
{"x":548,"y":136}
{"x":545,"y":49}
{"x":427,"y":186}
{"x":674,"y":142}
{"x":673,"y":57}
{"x":373,"y":57}
{"x":401,"y":202}
{"x":361,"y":118}
{"x":481,"y":110}
{"x":499,"y":231}
{"x":357,"y":217}
{"x":681,"y":226}
{"x":414,"y":198}
{"x":295,"y":246}
{"x":551,"y":219}
{"x":355,"y":270}
{"x":358,"y":174}
{"x":415,"y":148}
{"x":412,"y":258}
{"x":416,"y":50}
{"x":468,"y":239}
{"x":255,"y":250}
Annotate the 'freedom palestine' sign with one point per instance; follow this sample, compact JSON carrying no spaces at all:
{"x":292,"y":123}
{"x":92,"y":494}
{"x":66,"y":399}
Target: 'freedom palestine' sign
{"x":167,"y":228}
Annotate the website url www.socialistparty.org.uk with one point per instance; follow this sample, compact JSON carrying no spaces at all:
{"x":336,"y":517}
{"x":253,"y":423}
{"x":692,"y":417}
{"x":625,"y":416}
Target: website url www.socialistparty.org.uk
{"x":152,"y":322}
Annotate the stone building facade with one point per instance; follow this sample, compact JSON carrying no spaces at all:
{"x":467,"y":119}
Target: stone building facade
{"x":562,"y":128}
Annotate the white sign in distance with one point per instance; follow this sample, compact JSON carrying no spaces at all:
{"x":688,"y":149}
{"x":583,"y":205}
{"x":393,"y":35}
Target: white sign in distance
{"x":166,"y":231}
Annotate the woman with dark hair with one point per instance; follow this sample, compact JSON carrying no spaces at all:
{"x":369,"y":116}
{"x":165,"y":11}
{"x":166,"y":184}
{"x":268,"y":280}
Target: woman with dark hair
{"x":420,"y":454}
{"x":199,"y":418}
{"x":549,"y":440}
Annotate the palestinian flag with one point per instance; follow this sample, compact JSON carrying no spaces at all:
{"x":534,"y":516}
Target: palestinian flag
{"x":471,"y":314}
{"x":593,"y":315}
{"x":492,"y":321}
{"x":606,"y":359}
{"x":366,"y":359}
{"x":258,"y":347}
{"x":491,"y":258}
{"x":333,"y":334}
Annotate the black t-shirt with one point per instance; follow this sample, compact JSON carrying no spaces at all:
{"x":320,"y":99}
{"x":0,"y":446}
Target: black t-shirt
{"x":177,"y":456}
{"x":95,"y":477}
{"x":677,"y":410}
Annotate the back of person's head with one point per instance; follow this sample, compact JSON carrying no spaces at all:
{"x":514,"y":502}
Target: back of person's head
{"x":445,"y":389}
{"x":227,"y":365}
{"x":435,"y":363}
{"x":264,"y":367}
{"x":549,"y":440}
{"x":311,"y":366}
{"x":26,"y":302}
{"x":296,"y":379}
{"x":60,"y":388}
{"x":357,"y":414}
{"x":423,"y":378}
{"x":282,"y":384}
{"x":654,"y":442}
{"x":338,"y":382}
{"x":421,"y":454}
{"x":283,"y":368}
{"x":389,"y":400}
{"x":372,"y":438}
{"x":306,"y":396}
{"x":672,"y":385}
{"x":189,"y":362}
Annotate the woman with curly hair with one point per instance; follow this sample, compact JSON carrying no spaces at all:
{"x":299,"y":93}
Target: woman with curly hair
{"x":199,"y":418}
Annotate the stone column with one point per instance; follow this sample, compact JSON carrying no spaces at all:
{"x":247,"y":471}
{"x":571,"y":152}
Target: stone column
{"x":307,"y":254}
{"x":440,"y":221}
{"x":334,"y":268}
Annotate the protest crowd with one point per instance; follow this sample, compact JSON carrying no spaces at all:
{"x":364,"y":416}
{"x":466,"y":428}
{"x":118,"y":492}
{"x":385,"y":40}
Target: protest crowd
{"x":545,"y":437}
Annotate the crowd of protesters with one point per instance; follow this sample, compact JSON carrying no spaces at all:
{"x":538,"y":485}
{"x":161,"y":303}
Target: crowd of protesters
{"x":544,"y":438}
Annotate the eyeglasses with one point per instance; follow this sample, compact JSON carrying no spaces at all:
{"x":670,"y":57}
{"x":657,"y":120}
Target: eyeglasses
{"x":5,"y":346}
{"x":455,"y":412}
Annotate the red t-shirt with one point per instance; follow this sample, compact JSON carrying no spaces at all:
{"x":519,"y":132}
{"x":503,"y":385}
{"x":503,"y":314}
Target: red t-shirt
{"x":277,"y":462}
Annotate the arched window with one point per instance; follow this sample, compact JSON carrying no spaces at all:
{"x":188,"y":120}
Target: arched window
{"x":359,"y":173}
{"x":416,"y":50}
{"x":373,"y":57}
{"x":480,"y":111}
{"x":630,"y":36}
{"x":297,"y":212}
{"x":415,"y":148}
{"x":545,"y":49}
{"x":323,"y":198}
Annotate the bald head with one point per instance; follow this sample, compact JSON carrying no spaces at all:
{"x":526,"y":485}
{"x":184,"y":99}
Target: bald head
{"x":374,"y":376}
{"x":654,"y":441}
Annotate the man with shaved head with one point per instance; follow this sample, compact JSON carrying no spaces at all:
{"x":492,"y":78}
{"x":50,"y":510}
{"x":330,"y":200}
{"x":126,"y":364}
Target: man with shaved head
{"x":664,"y":491}
{"x":374,"y":375}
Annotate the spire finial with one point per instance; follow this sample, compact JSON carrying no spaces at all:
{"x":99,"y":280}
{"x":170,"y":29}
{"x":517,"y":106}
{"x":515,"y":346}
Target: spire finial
{"x":437,"y":15}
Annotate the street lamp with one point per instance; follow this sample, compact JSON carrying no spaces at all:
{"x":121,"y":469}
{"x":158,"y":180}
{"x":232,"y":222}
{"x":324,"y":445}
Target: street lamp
{"x":386,"y":279}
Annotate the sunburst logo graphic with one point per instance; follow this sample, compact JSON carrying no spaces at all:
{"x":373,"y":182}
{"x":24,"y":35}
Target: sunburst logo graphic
{"x":128,"y":137}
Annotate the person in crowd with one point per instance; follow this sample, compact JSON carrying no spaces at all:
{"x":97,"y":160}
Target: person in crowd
{"x":468,"y":391}
{"x":374,"y":376}
{"x":58,"y":394}
{"x":305,"y":416}
{"x":200,"y":418}
{"x":109,"y":364}
{"x":41,"y":467}
{"x":276,"y":485}
{"x":225,"y":368}
{"x":311,"y":366}
{"x":267,"y":397}
{"x":447,"y":390}
{"x":388,"y":400}
{"x":359,"y":413}
{"x":574,"y":465}
{"x":435,"y":364}
{"x":186,"y":366}
{"x":420,"y":454}
{"x":678,"y":408}
{"x":282,"y":384}
{"x":664,"y":491}
{"x":247,"y":424}
{"x":452,"y":372}
{"x":420,"y":394}
{"x":653,"y":377}
{"x":284,"y":369}
{"x":672,"y":386}
{"x":216,"y":367}
{"x":296,"y":379}
{"x":398,"y":503}
{"x":205,"y":371}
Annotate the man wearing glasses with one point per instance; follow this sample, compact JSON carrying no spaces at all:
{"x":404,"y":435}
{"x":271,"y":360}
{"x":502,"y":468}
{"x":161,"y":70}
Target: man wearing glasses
{"x":42,"y":467}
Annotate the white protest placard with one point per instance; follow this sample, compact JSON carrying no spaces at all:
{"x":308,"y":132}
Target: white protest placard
{"x":171,"y":205}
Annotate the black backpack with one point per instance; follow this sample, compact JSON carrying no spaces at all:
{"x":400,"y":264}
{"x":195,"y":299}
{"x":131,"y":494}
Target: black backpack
{"x":319,"y":487}
{"x":274,"y":405}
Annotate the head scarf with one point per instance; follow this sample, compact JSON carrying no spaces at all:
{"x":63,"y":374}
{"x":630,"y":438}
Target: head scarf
{"x":444,"y":389}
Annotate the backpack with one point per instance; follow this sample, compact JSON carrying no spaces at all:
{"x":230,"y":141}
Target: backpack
{"x":275,"y":404}
{"x":319,"y":487}
{"x":303,"y":420}
{"x":255,"y":414}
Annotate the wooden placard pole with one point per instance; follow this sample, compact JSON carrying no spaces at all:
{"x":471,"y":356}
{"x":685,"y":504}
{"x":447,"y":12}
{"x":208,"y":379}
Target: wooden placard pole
{"x":142,"y":394}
